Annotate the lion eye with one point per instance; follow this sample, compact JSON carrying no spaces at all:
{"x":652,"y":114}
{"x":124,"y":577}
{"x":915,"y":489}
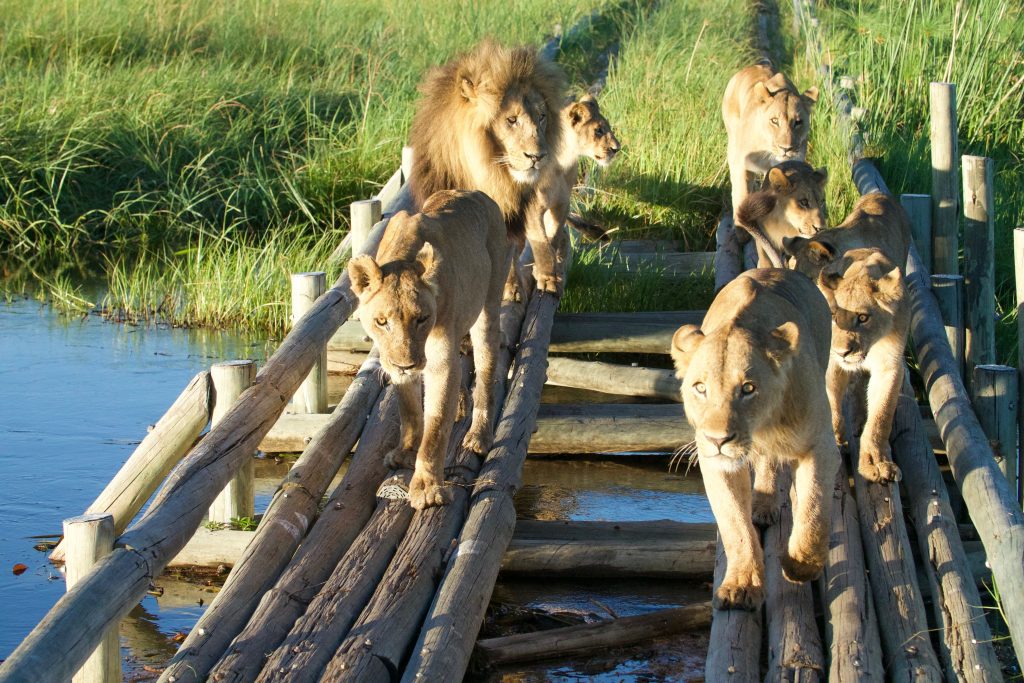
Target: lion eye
{"x":804,"y":204}
{"x":599,"y":132}
{"x":422,"y":319}
{"x":700,"y":388}
{"x":863,"y":317}
{"x":381,"y":322}
{"x":748,"y":388}
{"x":797,"y":123}
{"x":543,"y":115}
{"x":512,"y":120}
{"x":775,"y":121}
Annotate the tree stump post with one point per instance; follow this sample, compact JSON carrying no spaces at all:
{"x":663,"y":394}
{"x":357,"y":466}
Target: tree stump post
{"x":238,"y":499}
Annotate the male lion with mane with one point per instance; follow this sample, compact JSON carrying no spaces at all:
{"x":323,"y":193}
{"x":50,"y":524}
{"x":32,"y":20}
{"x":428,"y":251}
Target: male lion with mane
{"x":489,"y":120}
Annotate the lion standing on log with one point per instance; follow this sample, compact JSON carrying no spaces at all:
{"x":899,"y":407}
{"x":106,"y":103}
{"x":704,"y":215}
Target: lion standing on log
{"x":489,"y":121}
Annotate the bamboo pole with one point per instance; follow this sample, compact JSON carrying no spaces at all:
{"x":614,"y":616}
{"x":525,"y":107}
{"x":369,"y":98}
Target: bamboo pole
{"x":285,"y":523}
{"x":238,"y":499}
{"x":919,"y":209}
{"x":967,"y":651}
{"x":1018,"y":270}
{"x":576,"y":641}
{"x":610,"y":378}
{"x":734,"y":648}
{"x":89,"y":538}
{"x":949,"y":295}
{"x":168,"y":442}
{"x":312,"y":394}
{"x":979,"y":261}
{"x":364,"y":214}
{"x":945,"y":183}
{"x":453,"y":620}
{"x":995,"y":404}
{"x":73,"y":627}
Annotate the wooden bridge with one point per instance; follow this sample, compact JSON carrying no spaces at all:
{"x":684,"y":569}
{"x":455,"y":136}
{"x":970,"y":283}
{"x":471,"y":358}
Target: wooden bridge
{"x":361,"y":587}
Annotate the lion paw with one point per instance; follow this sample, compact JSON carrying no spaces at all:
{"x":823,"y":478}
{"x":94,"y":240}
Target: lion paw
{"x":877,"y":466}
{"x":424,"y":492}
{"x":733,"y":595}
{"x":548,"y":282}
{"x":400,"y":458}
{"x":801,"y":570}
{"x":478,"y":441}
{"x":512,"y":294}
{"x":764,"y":510}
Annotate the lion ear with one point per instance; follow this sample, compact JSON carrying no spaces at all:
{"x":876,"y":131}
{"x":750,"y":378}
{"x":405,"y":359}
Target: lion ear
{"x":778,"y":180}
{"x":468,"y":89}
{"x":761,"y":92}
{"x":811,"y":94}
{"x":365,"y":275}
{"x":783,"y":342}
{"x":820,"y":252}
{"x":576,"y":113}
{"x":794,"y":245}
{"x":685,"y":342}
{"x":427,"y":261}
{"x":821,"y":175}
{"x":776,"y":83}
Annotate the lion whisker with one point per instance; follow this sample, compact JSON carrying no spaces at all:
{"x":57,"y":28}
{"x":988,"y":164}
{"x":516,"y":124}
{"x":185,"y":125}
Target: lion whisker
{"x":688,"y":451}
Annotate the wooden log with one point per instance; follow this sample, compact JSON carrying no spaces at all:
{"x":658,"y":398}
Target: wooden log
{"x":363,"y":215}
{"x":645,"y":332}
{"x":161,"y":449}
{"x":995,"y":404}
{"x":350,"y":506}
{"x":945,"y":183}
{"x":610,"y":378}
{"x":949,"y":295}
{"x":453,"y":620}
{"x":919,"y":209}
{"x":578,"y":641}
{"x":312,"y":394}
{"x":73,"y":627}
{"x":851,"y":625}
{"x":734,"y":648}
{"x":794,"y":645}
{"x":238,"y":498}
{"x":264,"y":554}
{"x":88,"y":538}
{"x":561,"y":429}
{"x":979,"y":261}
{"x":966,"y":650}
{"x":390,"y":192}
{"x":1018,"y":270}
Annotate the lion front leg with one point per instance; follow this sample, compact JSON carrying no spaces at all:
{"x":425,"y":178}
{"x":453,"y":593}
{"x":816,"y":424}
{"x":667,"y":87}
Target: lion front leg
{"x":486,"y":342}
{"x":875,"y":461}
{"x":813,"y":476}
{"x":738,"y":179}
{"x":442,"y":379}
{"x":410,"y":409}
{"x":543,"y":230}
{"x":765,"y":503}
{"x":729,"y":491}
{"x":836,"y":382}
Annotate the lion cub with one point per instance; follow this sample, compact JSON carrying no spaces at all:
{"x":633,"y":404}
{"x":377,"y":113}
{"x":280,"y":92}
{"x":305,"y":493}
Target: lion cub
{"x":767,"y":120}
{"x":858,"y":266}
{"x":753,"y":387}
{"x":585,"y":133}
{"x":791,"y":203}
{"x":438,"y":275}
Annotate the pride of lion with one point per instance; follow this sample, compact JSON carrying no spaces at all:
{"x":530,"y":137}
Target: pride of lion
{"x":764,"y":378}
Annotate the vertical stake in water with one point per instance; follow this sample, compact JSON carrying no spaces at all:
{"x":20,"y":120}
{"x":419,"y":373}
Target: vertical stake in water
{"x":311,"y":396}
{"x":949,"y":293}
{"x":237,"y":499}
{"x":88,"y":539}
{"x":995,"y":403}
{"x":1018,"y":267}
{"x":945,"y":183}
{"x":979,"y":256}
{"x":919,"y":209}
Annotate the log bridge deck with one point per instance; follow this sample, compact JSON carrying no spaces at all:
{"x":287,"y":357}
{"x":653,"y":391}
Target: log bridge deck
{"x":360,"y":587}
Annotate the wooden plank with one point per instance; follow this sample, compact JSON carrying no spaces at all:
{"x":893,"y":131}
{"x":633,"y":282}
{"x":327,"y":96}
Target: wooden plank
{"x":734,"y":648}
{"x":284,"y":524}
{"x":578,"y":641}
{"x":611,"y":378}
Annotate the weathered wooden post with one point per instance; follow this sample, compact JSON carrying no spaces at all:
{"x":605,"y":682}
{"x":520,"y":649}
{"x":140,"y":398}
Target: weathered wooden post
{"x":995,"y":403}
{"x":949,"y":294}
{"x":979,"y":260}
{"x":945,"y":184}
{"x":406,"y":164}
{"x":1018,"y":268}
{"x":364,"y":214}
{"x":919,"y":208}
{"x":312,"y":394}
{"x":237,"y":499}
{"x":87,"y":539}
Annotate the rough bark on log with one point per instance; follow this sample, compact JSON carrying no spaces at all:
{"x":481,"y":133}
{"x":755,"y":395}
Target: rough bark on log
{"x":283,"y":526}
{"x":734,"y":648}
{"x":729,"y":255}
{"x":610,"y":378}
{"x":967,"y":650}
{"x":576,"y":641}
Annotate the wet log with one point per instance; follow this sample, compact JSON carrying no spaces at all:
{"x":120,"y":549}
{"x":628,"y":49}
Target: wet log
{"x":445,"y":643}
{"x":610,"y":378}
{"x":162,"y":449}
{"x":285,"y":523}
{"x":734,"y":648}
{"x":729,"y":253}
{"x":851,"y":626}
{"x":577,"y":641}
{"x":967,"y":651}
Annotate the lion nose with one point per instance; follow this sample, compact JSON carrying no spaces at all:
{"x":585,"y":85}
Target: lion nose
{"x":536,"y":157}
{"x":405,"y":368}
{"x":720,"y":441}
{"x":848,"y":350}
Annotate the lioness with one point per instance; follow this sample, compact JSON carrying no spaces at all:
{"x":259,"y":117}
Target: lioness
{"x":791,"y":202}
{"x":753,"y":388}
{"x":767,"y":120}
{"x":438,"y":275}
{"x":489,"y":120}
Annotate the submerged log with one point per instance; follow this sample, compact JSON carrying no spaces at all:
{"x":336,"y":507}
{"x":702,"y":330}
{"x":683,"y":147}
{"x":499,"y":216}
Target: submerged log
{"x":576,"y":641}
{"x":611,"y":378}
{"x":967,"y":650}
{"x":734,"y":648}
{"x":283,"y":526}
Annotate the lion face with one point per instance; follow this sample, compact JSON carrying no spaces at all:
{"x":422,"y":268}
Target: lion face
{"x":864,"y":290}
{"x":785,"y":116}
{"x":800,"y":192}
{"x":519,"y":128}
{"x":593,"y":133}
{"x":733,"y":382}
{"x":398,"y":307}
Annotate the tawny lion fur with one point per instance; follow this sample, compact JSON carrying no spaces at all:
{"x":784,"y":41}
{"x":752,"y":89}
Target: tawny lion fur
{"x":753,"y":387}
{"x":438,"y":275}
